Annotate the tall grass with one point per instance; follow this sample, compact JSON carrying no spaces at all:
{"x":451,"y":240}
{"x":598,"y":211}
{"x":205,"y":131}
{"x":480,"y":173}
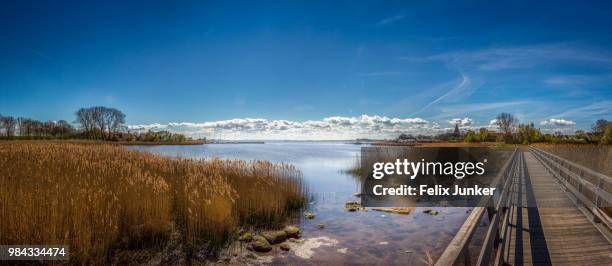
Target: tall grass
{"x":99,"y":198}
{"x":596,"y":157}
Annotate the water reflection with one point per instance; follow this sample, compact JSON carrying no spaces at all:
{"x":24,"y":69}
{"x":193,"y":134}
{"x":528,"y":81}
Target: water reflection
{"x":367,"y":237}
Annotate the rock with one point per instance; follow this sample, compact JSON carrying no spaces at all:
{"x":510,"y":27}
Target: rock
{"x":395,"y":210}
{"x":285,"y":247}
{"x":292,"y":231}
{"x":295,"y":240}
{"x":352,"y":206}
{"x":245,"y":237}
{"x":309,"y":215}
{"x":260,"y":244}
{"x":321,"y":226}
{"x":431,"y":212}
{"x":274,"y":237}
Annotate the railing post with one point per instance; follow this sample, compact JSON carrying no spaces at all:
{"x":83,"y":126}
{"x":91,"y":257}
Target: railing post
{"x":466,"y":256}
{"x":600,"y":185}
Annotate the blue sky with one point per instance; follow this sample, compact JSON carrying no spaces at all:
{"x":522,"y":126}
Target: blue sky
{"x":311,"y":69}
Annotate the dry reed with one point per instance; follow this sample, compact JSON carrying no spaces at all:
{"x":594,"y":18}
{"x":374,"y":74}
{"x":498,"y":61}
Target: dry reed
{"x":596,"y":157}
{"x":99,"y":198}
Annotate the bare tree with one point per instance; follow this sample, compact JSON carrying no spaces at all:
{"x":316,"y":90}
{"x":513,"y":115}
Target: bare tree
{"x":63,"y":128}
{"x":600,"y":126}
{"x":8,"y":123}
{"x":507,"y":123}
{"x":117,"y":121}
{"x":98,"y":117}
{"x":100,"y":121}
{"x":86,"y":118}
{"x":26,"y":126}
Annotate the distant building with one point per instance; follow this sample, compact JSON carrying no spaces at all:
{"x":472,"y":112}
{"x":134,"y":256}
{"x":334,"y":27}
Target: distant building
{"x":457,"y":133}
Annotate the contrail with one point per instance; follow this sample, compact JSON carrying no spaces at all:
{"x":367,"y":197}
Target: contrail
{"x":465,"y":82}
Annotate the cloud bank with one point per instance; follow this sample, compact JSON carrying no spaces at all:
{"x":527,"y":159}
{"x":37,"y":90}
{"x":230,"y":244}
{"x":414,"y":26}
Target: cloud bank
{"x":329,"y":128}
{"x":557,"y":122}
{"x":461,"y":122}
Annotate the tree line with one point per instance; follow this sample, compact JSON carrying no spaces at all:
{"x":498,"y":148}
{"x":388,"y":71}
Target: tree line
{"x":95,"y":123}
{"x":512,"y":132}
{"x":32,"y":128}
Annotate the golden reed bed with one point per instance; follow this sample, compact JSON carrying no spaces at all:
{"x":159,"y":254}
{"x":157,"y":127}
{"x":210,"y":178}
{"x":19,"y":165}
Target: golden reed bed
{"x":98,"y":198}
{"x":596,"y":157}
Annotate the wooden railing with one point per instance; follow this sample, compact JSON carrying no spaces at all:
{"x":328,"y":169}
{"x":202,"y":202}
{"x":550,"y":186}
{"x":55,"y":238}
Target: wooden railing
{"x":590,"y":188}
{"x":498,"y":215}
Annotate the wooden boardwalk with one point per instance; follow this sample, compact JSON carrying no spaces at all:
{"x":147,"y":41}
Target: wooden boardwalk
{"x":556,"y":232}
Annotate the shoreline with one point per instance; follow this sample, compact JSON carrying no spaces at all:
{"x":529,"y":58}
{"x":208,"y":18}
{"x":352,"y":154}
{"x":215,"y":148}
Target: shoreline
{"x":144,"y":143}
{"x":123,"y":143}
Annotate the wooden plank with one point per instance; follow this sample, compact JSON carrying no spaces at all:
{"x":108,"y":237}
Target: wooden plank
{"x":568,"y":235}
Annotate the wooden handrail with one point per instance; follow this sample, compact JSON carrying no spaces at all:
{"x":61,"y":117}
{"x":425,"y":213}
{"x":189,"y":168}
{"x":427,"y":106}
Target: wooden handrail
{"x":586,"y":170}
{"x":459,"y":244}
{"x":554,"y":161}
{"x":592,"y":211}
{"x":498,"y":214}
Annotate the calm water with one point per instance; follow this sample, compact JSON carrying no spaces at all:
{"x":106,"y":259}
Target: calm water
{"x":356,"y":237}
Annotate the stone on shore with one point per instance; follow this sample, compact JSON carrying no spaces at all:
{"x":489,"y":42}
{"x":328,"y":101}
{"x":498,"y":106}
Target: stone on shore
{"x":292,"y":231}
{"x":309,"y":215}
{"x":260,"y":244}
{"x":245,"y":237}
{"x":274,"y":237}
{"x":285,"y":247}
{"x":352,"y":206}
{"x":431,"y":212}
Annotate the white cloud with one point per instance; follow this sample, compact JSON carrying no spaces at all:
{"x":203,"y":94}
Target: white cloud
{"x":461,"y":122}
{"x":335,"y":127}
{"x":557,"y":122}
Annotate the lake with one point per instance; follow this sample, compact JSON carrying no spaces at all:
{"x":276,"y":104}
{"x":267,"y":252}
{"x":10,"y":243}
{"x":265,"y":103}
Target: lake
{"x":363,"y":237}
